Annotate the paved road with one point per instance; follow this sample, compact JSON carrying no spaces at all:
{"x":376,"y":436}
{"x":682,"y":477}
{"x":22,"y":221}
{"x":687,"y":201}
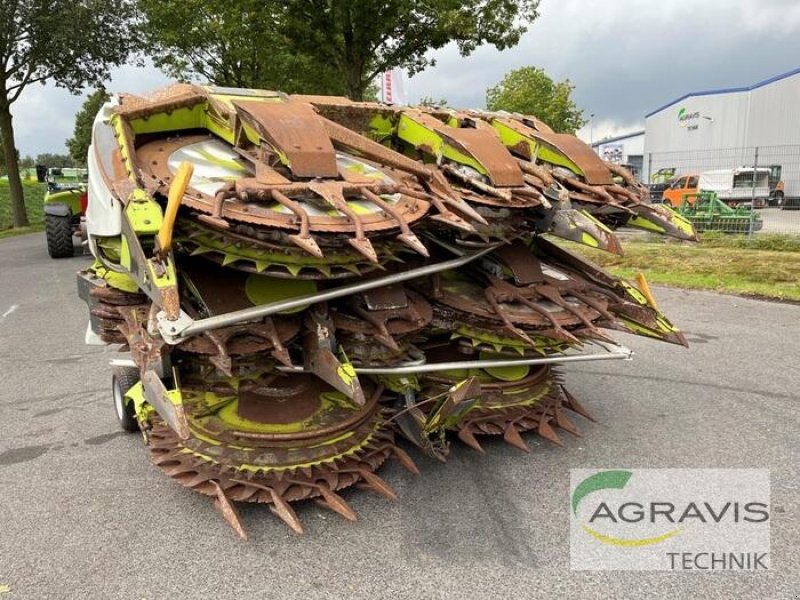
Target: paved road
{"x":780,"y":221}
{"x":84,"y":515}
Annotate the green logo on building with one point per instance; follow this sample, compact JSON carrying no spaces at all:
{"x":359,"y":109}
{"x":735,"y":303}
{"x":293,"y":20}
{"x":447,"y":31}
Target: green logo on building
{"x":684,"y":116}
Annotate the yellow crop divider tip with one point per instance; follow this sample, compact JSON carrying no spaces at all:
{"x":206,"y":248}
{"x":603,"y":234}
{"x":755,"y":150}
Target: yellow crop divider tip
{"x":644,"y":287}
{"x":176,"y":191}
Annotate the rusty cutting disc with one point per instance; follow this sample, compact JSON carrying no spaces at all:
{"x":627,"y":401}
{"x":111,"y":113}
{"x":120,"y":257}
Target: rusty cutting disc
{"x":275,"y":440}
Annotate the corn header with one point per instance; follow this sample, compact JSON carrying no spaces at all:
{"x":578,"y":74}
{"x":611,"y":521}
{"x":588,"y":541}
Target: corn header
{"x":297,"y":282}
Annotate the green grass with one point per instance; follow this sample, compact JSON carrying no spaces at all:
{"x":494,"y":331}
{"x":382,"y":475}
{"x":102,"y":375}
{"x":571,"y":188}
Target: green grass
{"x":768,"y":241}
{"x":34,"y":202}
{"x":717,"y":265}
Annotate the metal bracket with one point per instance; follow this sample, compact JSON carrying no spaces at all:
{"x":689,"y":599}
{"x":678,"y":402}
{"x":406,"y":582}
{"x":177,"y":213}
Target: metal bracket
{"x":179,"y":329}
{"x":612,"y":352}
{"x":171,"y":330}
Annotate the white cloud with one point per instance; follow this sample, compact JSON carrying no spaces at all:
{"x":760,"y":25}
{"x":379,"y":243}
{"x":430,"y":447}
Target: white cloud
{"x":625,"y":57}
{"x":44,"y":115}
{"x":629,"y":57}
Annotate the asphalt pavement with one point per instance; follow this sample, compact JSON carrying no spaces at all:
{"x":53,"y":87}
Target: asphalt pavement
{"x":83,"y":513}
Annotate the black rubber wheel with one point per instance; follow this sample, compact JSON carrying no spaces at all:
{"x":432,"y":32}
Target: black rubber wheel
{"x":123,"y":379}
{"x":59,"y":236}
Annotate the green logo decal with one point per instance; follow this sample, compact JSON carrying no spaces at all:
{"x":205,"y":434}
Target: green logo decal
{"x":599,"y":481}
{"x":612,"y":480}
{"x":684,"y":116}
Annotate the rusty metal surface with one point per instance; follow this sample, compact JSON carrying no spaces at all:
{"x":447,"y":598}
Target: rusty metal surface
{"x":282,"y":468}
{"x":479,"y":142}
{"x":372,"y":336}
{"x":534,"y":403}
{"x":533,"y":122}
{"x":172,"y":97}
{"x":320,"y":355}
{"x":594,"y":170}
{"x":309,"y":205}
{"x":535,"y":306}
{"x":488,"y":150}
{"x":295,"y":130}
{"x":256,"y":404}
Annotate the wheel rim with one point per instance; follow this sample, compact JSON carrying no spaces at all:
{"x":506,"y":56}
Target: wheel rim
{"x":119,"y":401}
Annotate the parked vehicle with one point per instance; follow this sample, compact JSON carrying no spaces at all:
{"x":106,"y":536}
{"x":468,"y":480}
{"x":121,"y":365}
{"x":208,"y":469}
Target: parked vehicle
{"x":783,"y":192}
{"x":274,"y":232}
{"x":776,"y":186}
{"x":680,"y":188}
{"x":659,"y":182}
{"x":64,"y":209}
{"x":735,"y":187}
{"x":708,"y":213}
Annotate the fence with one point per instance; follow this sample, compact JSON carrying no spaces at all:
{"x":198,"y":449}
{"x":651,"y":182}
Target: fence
{"x":775,"y":193}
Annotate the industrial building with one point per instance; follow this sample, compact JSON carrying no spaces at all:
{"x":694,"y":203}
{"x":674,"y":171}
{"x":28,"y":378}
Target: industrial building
{"x":763,"y":114}
{"x":730,"y":128}
{"x":625,"y":149}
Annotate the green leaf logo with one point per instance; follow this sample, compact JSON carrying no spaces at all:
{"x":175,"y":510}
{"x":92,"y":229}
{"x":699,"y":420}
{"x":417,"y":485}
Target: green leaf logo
{"x":603,"y":480}
{"x":611,"y":480}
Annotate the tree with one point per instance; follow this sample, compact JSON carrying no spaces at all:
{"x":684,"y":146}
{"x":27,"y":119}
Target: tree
{"x":78,"y":144}
{"x":321,"y":46}
{"x":363,"y":38}
{"x":531,"y":91}
{"x":429,"y":102}
{"x":235,"y":44}
{"x":59,"y":161}
{"x":69,"y":42}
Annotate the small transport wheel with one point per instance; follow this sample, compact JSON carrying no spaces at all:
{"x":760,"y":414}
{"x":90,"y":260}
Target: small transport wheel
{"x":59,"y":236}
{"x":123,"y":379}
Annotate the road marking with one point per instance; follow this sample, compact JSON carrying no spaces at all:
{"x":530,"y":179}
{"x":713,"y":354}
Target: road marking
{"x":10,"y":310}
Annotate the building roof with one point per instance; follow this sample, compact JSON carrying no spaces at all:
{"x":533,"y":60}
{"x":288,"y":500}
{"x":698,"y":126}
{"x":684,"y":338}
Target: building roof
{"x":733,"y":90}
{"x":617,"y":138}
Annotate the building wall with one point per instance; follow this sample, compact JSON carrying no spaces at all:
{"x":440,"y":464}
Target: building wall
{"x":624,"y":148}
{"x":699,"y":123}
{"x":775,"y":114}
{"x":721,"y":131}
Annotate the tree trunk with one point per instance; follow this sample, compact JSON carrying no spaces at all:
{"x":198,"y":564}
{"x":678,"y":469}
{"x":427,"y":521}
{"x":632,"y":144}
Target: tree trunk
{"x":356,"y":93}
{"x":355,"y":85}
{"x":20,"y":217}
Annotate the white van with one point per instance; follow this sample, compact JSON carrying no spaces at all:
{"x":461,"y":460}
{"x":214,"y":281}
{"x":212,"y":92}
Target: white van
{"x":738,"y":186}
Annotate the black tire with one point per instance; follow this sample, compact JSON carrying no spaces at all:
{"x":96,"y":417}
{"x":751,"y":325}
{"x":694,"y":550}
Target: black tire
{"x":123,"y":379}
{"x":59,"y":236}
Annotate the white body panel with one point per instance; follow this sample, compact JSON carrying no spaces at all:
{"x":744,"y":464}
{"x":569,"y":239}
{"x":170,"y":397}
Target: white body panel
{"x":104,"y":213}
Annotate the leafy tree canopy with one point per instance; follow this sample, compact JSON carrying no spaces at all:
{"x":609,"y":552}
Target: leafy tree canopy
{"x":68,"y":42}
{"x":237,"y":44}
{"x":433,"y":103}
{"x":78,"y":144}
{"x":321,"y":46}
{"x":58,"y":161}
{"x":531,"y":91}
{"x":363,"y":38}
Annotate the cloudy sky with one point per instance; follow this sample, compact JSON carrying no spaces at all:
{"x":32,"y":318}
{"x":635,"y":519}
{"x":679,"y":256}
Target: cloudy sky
{"x":625,"y":58}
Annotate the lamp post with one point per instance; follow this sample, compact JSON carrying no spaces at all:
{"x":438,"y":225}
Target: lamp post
{"x":591,"y":129}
